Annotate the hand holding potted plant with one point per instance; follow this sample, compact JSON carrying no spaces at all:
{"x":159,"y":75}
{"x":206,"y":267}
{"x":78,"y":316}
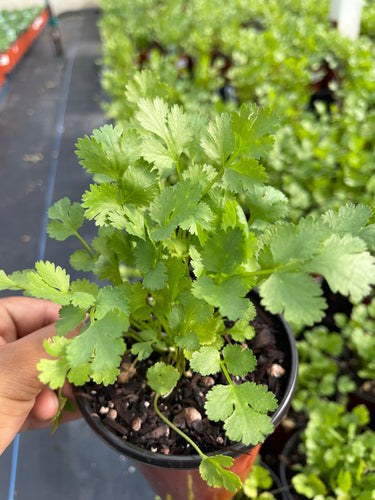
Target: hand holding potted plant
{"x":187,"y":227}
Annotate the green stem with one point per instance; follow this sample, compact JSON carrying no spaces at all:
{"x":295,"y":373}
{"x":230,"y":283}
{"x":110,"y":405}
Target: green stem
{"x":139,"y":339}
{"x":85,"y":245}
{"x":226,"y":373}
{"x":217,"y":177}
{"x":264,"y":272}
{"x":176,"y":429}
{"x":132,"y":335}
{"x":181,"y":361}
{"x":178,"y":170}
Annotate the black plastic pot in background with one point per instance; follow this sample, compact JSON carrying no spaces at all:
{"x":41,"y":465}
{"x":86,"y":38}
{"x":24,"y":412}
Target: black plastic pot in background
{"x":279,"y":491}
{"x":276,"y":489}
{"x":177,"y":477}
{"x":362,"y":398}
{"x":286,"y":460}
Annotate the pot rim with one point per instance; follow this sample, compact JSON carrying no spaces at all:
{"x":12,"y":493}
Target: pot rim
{"x":192,"y":461}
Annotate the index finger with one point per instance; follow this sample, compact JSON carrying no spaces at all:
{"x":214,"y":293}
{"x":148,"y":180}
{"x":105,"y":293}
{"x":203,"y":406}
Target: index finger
{"x":20,"y":316}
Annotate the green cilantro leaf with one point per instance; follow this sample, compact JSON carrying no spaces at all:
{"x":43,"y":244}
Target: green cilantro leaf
{"x":53,"y":276}
{"x":84,"y":286}
{"x":83,"y":293}
{"x":218,"y":142}
{"x":142,"y":349}
{"x":102,"y":345}
{"x":212,"y":470}
{"x":152,"y":115}
{"x":53,"y":372}
{"x":128,"y":218}
{"x":109,"y":151}
{"x":347,"y":266}
{"x":157,"y":277}
{"x":48,"y":282}
{"x":243,"y":174}
{"x":179,"y":130}
{"x":266,"y":203}
{"x":288,"y":242}
{"x":210,"y":332}
{"x":69,"y":318}
{"x":233,"y":216}
{"x":206,"y":361}
{"x":239,"y":361}
{"x":241,"y":331}
{"x":188,"y":340}
{"x":352,"y":219}
{"x":145,"y":256}
{"x":237,"y":405}
{"x":101,"y":201}
{"x":172,"y":207}
{"x":297,"y":296}
{"x":81,"y":260}
{"x":107,"y":262}
{"x":66,"y":219}
{"x":113,"y":299}
{"x":56,"y":346}
{"x":189,"y":311}
{"x":228,"y":296}
{"x":137,"y":185}
{"x":224,"y":251}
{"x":171,"y":126}
{"x":145,"y":84}
{"x":145,"y":348}
{"x":79,"y":375}
{"x":201,"y":219}
{"x":5,"y":282}
{"x":154,"y":152}
{"x":253,"y":130}
{"x":162,"y":378}
{"x":309,"y":485}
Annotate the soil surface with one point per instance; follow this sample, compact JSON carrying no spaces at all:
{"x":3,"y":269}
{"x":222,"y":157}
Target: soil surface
{"x":127,"y":406}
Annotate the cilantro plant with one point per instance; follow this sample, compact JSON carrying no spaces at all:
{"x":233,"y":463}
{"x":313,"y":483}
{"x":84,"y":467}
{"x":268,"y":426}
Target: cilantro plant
{"x":187,"y":226}
{"x":318,"y":371}
{"x":339,"y":450}
{"x":258,"y":484}
{"x":323,"y":354}
{"x":359,"y":332}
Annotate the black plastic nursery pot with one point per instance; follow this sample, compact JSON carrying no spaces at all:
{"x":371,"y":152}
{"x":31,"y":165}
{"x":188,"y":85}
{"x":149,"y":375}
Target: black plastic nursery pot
{"x":279,"y":491}
{"x":358,"y":397}
{"x":174,"y":477}
{"x":286,"y":458}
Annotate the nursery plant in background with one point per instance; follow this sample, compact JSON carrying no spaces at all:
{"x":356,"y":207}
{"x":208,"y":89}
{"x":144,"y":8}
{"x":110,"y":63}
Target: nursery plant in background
{"x":336,"y":364}
{"x":319,"y":372}
{"x":324,"y":151}
{"x":261,"y":483}
{"x":357,"y":360}
{"x":187,"y":228}
{"x":334,"y":458}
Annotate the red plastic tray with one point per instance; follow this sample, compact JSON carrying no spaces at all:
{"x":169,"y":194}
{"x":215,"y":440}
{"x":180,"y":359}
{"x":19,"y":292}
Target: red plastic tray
{"x":10,"y":57}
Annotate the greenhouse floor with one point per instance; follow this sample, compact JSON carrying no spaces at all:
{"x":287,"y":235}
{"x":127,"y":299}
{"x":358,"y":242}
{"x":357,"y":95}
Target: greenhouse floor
{"x":49,"y":102}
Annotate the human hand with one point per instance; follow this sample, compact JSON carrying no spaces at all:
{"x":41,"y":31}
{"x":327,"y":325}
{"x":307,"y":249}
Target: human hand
{"x":25,"y":403}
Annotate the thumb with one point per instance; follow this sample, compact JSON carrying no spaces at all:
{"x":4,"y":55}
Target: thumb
{"x":19,"y":382}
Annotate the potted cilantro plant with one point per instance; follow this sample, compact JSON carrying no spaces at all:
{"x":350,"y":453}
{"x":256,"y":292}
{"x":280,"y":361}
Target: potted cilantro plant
{"x":187,"y":228}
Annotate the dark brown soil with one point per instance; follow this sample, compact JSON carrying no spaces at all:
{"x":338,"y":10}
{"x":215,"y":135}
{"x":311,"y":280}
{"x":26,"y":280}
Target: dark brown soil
{"x":127,"y":407}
